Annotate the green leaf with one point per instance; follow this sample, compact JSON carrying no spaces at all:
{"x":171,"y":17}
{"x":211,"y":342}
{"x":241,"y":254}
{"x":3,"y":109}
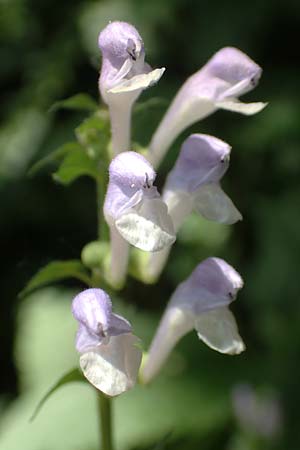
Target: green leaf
{"x":55,"y":271}
{"x":76,"y":164}
{"x":70,"y":377}
{"x":54,"y":157}
{"x":94,"y":134}
{"x":78,"y":102}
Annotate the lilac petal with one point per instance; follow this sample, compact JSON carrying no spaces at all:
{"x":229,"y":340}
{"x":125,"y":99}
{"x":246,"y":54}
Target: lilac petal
{"x":213,"y":204}
{"x":130,"y":177}
{"x":119,"y":325}
{"x":120,"y":200}
{"x":213,"y":284}
{"x":203,"y":159}
{"x":92,"y":308}
{"x":113,"y":368}
{"x":86,"y":340}
{"x":130,"y":169}
{"x":118,"y":41}
{"x":123,"y":72}
{"x":235,"y":68}
{"x":218,"y":329}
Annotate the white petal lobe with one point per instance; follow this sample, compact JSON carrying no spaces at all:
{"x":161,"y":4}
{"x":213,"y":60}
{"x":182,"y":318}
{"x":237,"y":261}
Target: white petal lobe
{"x":213,"y":204}
{"x":218,"y":329}
{"x":141,"y":81}
{"x":149,"y":227}
{"x":244,"y":108}
{"x":113,"y":368}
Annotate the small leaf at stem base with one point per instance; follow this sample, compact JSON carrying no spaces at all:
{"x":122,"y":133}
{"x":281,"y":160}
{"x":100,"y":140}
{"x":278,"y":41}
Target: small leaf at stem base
{"x":55,"y":271}
{"x":69,"y":377}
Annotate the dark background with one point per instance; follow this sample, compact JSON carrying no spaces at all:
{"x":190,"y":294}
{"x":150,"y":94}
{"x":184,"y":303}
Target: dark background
{"x":49,"y":52}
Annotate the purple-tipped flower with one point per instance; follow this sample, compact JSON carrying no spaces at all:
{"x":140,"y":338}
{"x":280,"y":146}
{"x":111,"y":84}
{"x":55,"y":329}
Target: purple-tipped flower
{"x":227,"y":75}
{"x":110,"y":358}
{"x":134,"y":210}
{"x":194,"y":184}
{"x":195,"y":179}
{"x":200,"y":303}
{"x":124,"y":74}
{"x":133,"y":204}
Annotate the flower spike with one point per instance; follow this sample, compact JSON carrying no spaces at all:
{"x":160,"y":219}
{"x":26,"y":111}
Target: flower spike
{"x":194,"y":184}
{"x":200,"y":303}
{"x":124,"y":75}
{"x":110,"y":358}
{"x":227,"y":75}
{"x":134,"y":210}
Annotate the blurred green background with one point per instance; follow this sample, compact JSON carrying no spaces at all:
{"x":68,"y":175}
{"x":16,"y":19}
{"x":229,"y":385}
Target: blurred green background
{"x":49,"y":52}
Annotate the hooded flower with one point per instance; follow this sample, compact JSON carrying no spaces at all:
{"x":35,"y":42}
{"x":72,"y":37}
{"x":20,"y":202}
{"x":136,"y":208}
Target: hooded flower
{"x":227,"y":75}
{"x":194,"y":184}
{"x":124,"y":74}
{"x":133,"y":205}
{"x":134,"y":212}
{"x":195,"y":181}
{"x":110,"y":358}
{"x":200,"y":303}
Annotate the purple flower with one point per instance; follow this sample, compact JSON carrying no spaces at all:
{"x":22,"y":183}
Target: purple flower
{"x":133,"y":205}
{"x":227,"y":75}
{"x":109,"y":359}
{"x":124,"y":75}
{"x":134,"y":212}
{"x":194,"y":184}
{"x":200,"y":303}
{"x":195,"y":180}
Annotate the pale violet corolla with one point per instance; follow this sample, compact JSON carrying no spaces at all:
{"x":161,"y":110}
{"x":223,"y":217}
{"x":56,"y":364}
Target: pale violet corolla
{"x":194,"y":185}
{"x":201,"y":303}
{"x":124,"y":75}
{"x":109,"y":353}
{"x":229,"y":74}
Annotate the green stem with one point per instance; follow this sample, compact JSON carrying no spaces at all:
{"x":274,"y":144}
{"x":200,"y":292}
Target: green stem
{"x":105,"y":414}
{"x":104,"y":402}
{"x":102,"y":231}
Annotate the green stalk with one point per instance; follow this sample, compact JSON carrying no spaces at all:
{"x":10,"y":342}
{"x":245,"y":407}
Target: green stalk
{"x":104,"y":402}
{"x":102,"y":231}
{"x":105,"y":414}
